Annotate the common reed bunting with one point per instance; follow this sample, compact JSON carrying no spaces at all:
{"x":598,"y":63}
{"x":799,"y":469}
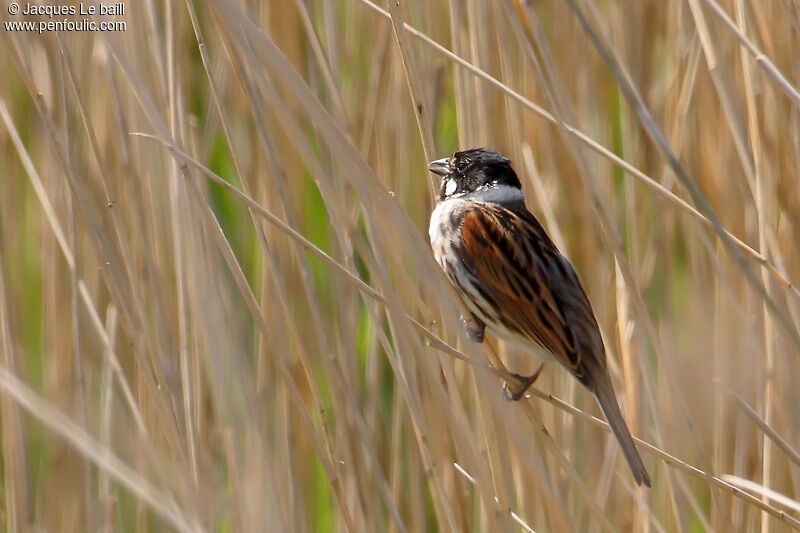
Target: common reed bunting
{"x":514,"y":280}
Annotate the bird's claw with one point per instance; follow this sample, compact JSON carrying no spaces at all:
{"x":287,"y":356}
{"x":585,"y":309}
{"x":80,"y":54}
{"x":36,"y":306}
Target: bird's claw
{"x":474,"y":328}
{"x":524,"y":383}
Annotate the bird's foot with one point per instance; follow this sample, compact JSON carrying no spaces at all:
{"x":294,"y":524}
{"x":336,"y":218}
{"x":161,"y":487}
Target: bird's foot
{"x":523,"y":384}
{"x":474,"y":327}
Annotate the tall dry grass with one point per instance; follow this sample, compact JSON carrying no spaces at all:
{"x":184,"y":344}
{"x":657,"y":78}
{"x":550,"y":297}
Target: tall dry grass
{"x":219,"y":310}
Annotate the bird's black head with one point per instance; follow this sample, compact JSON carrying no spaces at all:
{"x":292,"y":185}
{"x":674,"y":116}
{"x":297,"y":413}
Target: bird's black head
{"x":472,"y":171}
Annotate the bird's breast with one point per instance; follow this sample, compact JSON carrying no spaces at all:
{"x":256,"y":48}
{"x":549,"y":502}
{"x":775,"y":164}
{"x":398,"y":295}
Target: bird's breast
{"x":445,"y":230}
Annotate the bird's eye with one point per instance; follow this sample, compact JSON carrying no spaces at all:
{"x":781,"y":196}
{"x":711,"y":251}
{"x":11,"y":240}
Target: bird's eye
{"x":463,"y":164}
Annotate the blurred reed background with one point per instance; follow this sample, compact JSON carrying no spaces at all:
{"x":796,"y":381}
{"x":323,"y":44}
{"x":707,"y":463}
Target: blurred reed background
{"x":219,"y":309}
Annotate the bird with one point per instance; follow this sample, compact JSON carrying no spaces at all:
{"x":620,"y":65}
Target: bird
{"x":514,"y":281}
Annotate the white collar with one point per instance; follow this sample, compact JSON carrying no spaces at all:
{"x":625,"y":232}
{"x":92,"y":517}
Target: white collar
{"x":497,"y":194}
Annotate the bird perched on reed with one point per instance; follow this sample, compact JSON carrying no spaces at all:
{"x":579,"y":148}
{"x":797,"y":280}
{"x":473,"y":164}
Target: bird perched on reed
{"x":515,"y":282}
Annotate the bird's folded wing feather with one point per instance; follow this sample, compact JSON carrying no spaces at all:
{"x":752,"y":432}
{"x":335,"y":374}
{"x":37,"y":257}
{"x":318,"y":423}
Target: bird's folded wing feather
{"x":526,"y":281}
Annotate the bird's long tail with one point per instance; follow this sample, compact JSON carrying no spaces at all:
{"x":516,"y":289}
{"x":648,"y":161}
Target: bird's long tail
{"x":604,"y":393}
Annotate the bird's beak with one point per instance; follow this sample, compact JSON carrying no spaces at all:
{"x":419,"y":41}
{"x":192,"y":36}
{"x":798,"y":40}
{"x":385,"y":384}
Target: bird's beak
{"x":440,"y":166}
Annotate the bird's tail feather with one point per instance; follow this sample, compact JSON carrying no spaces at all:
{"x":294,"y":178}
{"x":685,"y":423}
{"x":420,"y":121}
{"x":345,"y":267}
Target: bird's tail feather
{"x":604,"y":393}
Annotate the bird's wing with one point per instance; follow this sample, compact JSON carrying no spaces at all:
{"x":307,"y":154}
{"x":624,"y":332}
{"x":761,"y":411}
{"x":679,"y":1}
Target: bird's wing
{"x":527,"y":284}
